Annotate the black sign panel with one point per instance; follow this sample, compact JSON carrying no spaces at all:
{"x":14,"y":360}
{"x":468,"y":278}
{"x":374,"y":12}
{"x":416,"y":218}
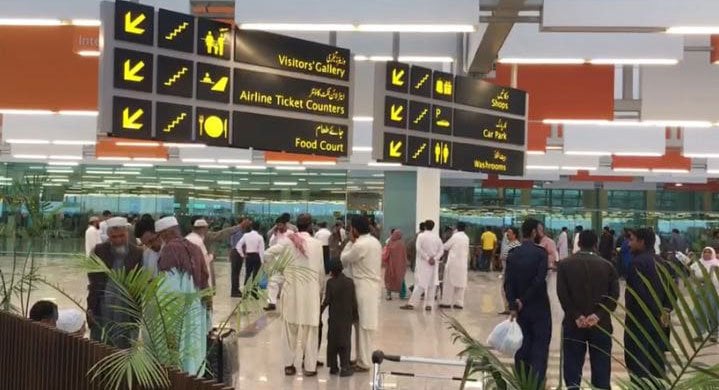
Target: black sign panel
{"x":291,"y":54}
{"x":440,"y":154}
{"x":173,"y":122}
{"x":477,"y":158}
{"x":212,"y":126}
{"x":418,"y":151}
{"x":288,"y":135}
{"x":175,"y":31}
{"x":290,"y":94}
{"x":486,"y":127}
{"x":442,"y":120}
{"x":174,"y":76}
{"x":394,"y":147}
{"x":395,"y":112}
{"x":134,"y":22}
{"x":420,"y":116}
{"x":397,"y":77}
{"x":214,"y":38}
{"x":421,"y":82}
{"x":131,"y":118}
{"x":133,"y":70}
{"x":442,"y":85}
{"x":213,"y":82}
{"x":483,"y":94}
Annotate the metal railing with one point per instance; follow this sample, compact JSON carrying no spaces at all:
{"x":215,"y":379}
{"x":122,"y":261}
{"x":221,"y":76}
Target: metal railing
{"x":36,"y":357}
{"x":378,"y":357}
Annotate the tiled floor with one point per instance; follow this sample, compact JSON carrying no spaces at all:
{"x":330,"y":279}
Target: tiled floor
{"x":405,"y":333}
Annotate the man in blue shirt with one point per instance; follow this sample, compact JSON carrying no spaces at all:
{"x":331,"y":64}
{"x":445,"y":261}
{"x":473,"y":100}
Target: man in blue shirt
{"x":525,"y":284}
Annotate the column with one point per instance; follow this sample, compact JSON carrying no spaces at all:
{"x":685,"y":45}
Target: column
{"x":409,"y":198}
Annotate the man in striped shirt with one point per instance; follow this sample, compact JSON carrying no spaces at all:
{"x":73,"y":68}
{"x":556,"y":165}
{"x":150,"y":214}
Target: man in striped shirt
{"x":512,"y":242}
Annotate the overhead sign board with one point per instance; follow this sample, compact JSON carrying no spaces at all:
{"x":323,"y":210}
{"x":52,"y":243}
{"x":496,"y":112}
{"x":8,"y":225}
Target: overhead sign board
{"x":292,"y":54}
{"x":435,"y":119}
{"x":175,"y":77}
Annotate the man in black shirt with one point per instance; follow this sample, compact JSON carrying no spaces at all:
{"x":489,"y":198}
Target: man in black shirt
{"x":586,"y":283}
{"x":606,"y":244}
{"x":525,"y":284}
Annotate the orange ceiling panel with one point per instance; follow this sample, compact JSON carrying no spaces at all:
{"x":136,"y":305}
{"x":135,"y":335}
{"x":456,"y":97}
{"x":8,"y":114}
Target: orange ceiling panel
{"x":714,"y":43}
{"x":537,"y":134}
{"x":281,"y":156}
{"x":712,"y":186}
{"x":672,"y":159}
{"x":585,"y":176}
{"x":109,"y":148}
{"x":39,"y":68}
{"x":493,"y":181}
{"x":564,"y":91}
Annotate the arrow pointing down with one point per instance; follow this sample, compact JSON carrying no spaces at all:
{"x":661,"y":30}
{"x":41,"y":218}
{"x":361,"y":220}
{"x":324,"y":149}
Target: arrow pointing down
{"x":132,"y":25}
{"x":128,"y":121}
{"x":394,"y":148}
{"x":130,"y":73}
{"x":396,"y":113}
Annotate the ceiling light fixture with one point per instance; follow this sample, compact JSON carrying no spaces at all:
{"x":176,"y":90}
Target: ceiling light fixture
{"x":181,"y":146}
{"x":85,"y":22}
{"x":298,"y":26}
{"x":639,"y":154}
{"x":634,"y":61}
{"x":77,"y":113}
{"x":198,"y":160}
{"x":284,"y":183}
{"x":113,"y":158}
{"x":63,"y":163}
{"x":532,"y":61}
{"x":138,"y":144}
{"x":383,"y":164}
{"x":587,"y":153}
{"x":213,"y":166}
{"x":669,"y":170}
{"x":251,"y":167}
{"x":324,"y":163}
{"x":30,"y":156}
{"x":701,"y":155}
{"x":137,"y":165}
{"x":282,"y":162}
{"x":64,"y":157}
{"x":362,"y":118}
{"x":233,"y":161}
{"x":151,"y":159}
{"x":290,"y":168}
{"x":361,"y":148}
{"x":418,"y":28}
{"x":543,"y":167}
{"x":631,"y":170}
{"x":27,"y":141}
{"x":578,"y":168}
{"x":72,"y":142}
{"x":30,"y":22}
{"x":442,"y":59}
{"x":690,"y":30}
{"x":89,"y":53}
{"x":535,"y":152}
{"x":12,"y":111}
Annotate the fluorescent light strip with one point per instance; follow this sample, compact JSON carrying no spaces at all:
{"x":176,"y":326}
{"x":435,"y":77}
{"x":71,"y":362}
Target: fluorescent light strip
{"x":198,"y":160}
{"x":65,"y":163}
{"x":639,"y":154}
{"x":713,"y":171}
{"x":251,"y":167}
{"x":587,"y":153}
{"x":138,"y":165}
{"x":110,"y":158}
{"x":282,"y":162}
{"x":149,"y":159}
{"x":85,"y":22}
{"x":689,"y":30}
{"x":77,"y":113}
{"x":138,"y":144}
{"x":530,"y":61}
{"x":604,"y":122}
{"x":553,"y":147}
{"x":536,"y":152}
{"x":571,"y":168}
{"x":630,"y":170}
{"x":362,"y":118}
{"x":284,"y":183}
{"x":213,"y":166}
{"x":30,"y":22}
{"x":298,"y":26}
{"x":11,"y":111}
{"x":290,"y":168}
{"x":668,"y":170}
{"x":634,"y":61}
{"x":443,"y":59}
{"x":60,"y":171}
{"x":23,"y":141}
{"x":424,"y":28}
{"x":383,"y":164}
{"x":73,"y":142}
{"x":543,"y":167}
{"x":183,"y":146}
{"x":361,"y":148}
{"x":701,"y":155}
{"x":325,"y":163}
{"x":30,"y":156}
{"x":89,"y":53}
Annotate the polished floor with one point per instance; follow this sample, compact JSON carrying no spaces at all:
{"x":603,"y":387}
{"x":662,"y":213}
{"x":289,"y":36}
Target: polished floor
{"x":417,"y":333}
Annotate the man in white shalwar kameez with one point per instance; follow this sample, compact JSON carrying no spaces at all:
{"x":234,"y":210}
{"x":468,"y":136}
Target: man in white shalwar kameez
{"x":429,"y":251}
{"x":364,"y":255}
{"x":563,"y":244}
{"x":455,"y":272}
{"x":301,"y":294}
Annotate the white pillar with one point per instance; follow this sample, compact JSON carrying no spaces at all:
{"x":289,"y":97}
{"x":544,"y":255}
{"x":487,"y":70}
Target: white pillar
{"x":428,"y":183}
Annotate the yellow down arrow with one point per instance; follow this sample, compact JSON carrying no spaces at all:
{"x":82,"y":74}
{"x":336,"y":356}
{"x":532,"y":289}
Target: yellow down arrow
{"x":130,"y":73}
{"x":397,"y":75}
{"x":132,"y":25}
{"x":129,"y":121}
{"x":394,"y":148}
{"x":396,"y":113}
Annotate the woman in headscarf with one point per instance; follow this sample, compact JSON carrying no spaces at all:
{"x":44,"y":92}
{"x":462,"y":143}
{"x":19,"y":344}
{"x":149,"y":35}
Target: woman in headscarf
{"x":394,"y":260}
{"x":706,"y":266}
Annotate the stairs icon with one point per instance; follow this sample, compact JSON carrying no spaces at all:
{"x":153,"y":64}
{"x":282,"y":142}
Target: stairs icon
{"x":176,"y":76}
{"x":419,"y":151}
{"x":177,"y":31}
{"x":174,"y":123}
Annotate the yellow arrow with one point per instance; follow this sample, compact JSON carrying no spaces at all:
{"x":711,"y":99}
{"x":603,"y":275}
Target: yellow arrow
{"x":396,"y":113}
{"x":132,"y":25}
{"x":130,"y":73}
{"x":128,"y":121}
{"x":394,"y":148}
{"x":397,"y":75}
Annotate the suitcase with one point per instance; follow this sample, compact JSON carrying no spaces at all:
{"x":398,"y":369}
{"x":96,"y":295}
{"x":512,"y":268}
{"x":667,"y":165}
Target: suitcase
{"x":223,"y":364}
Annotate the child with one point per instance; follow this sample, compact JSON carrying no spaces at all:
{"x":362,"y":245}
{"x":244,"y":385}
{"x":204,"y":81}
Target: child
{"x":341,"y":299}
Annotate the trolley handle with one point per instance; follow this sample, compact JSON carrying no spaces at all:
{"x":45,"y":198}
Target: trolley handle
{"x":378,"y":357}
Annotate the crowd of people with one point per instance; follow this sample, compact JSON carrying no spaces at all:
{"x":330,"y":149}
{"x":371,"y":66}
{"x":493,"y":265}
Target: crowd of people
{"x":343,"y":270}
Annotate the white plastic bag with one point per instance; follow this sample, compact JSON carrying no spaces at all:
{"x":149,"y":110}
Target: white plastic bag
{"x":506,"y":337}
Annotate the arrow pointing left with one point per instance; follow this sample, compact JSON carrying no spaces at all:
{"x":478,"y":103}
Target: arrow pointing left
{"x":395,"y":148}
{"x":130,"y":121}
{"x":396,"y":112}
{"x":130,"y":72}
{"x":132,"y":25}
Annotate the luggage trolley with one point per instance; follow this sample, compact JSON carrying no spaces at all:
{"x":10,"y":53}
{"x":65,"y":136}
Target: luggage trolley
{"x":378,"y":376}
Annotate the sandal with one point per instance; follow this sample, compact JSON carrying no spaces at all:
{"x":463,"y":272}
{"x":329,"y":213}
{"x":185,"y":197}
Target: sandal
{"x":290,"y":370}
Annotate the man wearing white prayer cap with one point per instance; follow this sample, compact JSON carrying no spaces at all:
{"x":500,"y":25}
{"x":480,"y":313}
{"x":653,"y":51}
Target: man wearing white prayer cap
{"x":71,"y":321}
{"x":103,"y":297}
{"x":183,"y":266}
{"x":200,"y":227}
